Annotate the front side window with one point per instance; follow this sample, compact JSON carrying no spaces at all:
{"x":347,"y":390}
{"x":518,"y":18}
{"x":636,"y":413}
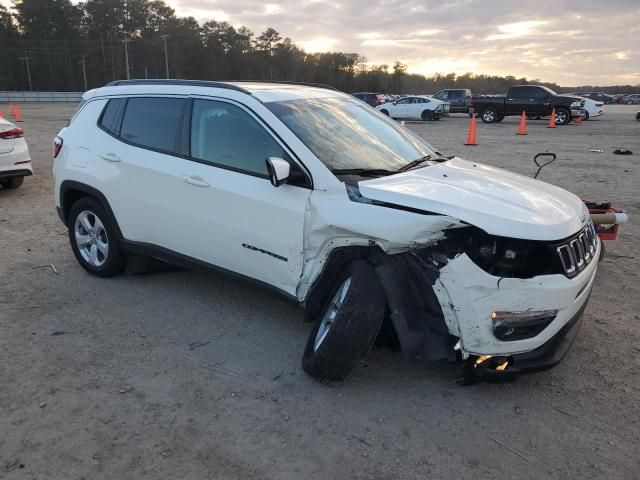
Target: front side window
{"x":226,"y":135}
{"x":344,"y":134}
{"x":153,"y":122}
{"x":442,"y":95}
{"x":404,"y":101}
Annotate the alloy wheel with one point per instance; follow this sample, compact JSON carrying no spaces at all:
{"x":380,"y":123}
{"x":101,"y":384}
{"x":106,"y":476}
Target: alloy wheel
{"x":91,"y":238}
{"x":331,"y":312}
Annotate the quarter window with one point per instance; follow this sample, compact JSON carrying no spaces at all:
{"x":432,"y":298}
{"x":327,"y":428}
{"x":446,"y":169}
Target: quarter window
{"x":226,"y":135}
{"x":109,"y":118}
{"x":154,"y":122}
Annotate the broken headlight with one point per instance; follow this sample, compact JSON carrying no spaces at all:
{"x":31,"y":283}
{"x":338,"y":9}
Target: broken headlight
{"x":502,"y":256}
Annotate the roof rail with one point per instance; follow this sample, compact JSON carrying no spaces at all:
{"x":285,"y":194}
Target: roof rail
{"x":288,"y":82}
{"x":191,"y":83}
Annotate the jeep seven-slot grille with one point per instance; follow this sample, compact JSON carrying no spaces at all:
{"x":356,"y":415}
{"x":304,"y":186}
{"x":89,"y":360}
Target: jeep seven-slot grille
{"x":578,"y":251}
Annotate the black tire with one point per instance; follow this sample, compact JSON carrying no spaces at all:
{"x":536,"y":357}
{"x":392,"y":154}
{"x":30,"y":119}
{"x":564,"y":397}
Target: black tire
{"x":638,"y":116}
{"x":114,"y":261}
{"x":489,"y":115}
{"x":563,"y":116}
{"x":602,"y":251}
{"x":353,"y":328}
{"x":427,"y":115}
{"x":586,"y":115}
{"x":386,"y":112}
{"x":13,"y":182}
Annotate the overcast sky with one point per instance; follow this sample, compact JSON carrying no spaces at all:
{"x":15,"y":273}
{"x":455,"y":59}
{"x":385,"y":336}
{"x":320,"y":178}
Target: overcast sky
{"x":571,"y":42}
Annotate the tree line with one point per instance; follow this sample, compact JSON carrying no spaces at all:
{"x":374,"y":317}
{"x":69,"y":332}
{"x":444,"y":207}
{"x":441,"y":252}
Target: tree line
{"x":67,"y":47}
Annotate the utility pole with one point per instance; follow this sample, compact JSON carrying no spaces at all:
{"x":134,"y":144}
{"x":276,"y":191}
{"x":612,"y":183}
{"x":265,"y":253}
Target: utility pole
{"x":166,"y":55}
{"x":83,"y":62}
{"x":26,"y":59}
{"x":126,"y":40}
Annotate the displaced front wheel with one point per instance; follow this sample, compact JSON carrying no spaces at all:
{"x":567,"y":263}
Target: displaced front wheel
{"x":348,"y":324}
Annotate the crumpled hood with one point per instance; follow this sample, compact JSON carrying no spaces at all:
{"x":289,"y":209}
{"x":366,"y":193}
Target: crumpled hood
{"x":497,"y":201}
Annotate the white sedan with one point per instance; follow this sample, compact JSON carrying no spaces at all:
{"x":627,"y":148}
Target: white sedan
{"x":420,"y":107}
{"x":592,"y":108}
{"x":15,"y":161}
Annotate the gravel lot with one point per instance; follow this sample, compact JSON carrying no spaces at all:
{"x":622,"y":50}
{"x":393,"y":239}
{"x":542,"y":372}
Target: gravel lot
{"x":197,"y":375}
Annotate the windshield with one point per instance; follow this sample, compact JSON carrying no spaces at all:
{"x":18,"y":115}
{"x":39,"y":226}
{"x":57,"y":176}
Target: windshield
{"x":347,"y":134}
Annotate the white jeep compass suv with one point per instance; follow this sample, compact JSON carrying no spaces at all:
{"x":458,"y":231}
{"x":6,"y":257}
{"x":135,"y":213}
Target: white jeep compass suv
{"x":318,"y":196}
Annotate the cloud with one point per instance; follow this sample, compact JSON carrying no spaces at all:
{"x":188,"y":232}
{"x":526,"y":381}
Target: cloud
{"x":582,"y":42}
{"x":516,"y":30}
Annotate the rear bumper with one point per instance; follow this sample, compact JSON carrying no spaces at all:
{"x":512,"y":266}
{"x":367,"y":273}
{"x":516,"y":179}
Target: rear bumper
{"x":23,"y":172}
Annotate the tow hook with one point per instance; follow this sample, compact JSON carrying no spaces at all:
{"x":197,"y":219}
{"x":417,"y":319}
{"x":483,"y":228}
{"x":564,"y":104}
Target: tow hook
{"x":487,"y":368}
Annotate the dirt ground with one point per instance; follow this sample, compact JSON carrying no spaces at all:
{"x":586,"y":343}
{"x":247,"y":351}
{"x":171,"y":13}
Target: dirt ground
{"x":197,"y":375}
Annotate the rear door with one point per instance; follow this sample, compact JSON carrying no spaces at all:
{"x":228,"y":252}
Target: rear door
{"x":137,"y":160}
{"x":518,"y":99}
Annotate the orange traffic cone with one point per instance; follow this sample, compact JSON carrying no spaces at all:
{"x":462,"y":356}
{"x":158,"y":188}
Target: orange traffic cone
{"x":471,"y":136}
{"x":12,"y":109}
{"x":1,"y":113}
{"x":522,"y":130}
{"x":18,"y":114}
{"x":578,"y":120}
{"x":552,"y":119}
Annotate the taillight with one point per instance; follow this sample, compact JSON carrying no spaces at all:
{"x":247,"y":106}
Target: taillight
{"x":57,"y":146}
{"x":13,"y":133}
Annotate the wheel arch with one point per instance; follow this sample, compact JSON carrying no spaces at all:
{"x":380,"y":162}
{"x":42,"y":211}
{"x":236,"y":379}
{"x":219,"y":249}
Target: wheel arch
{"x":71,"y":191}
{"x":336,"y":262}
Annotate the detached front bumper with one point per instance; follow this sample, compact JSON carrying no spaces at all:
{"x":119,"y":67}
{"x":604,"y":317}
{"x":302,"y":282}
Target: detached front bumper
{"x":468,"y":296}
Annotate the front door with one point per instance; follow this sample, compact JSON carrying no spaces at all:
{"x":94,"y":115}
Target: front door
{"x":231,"y":215}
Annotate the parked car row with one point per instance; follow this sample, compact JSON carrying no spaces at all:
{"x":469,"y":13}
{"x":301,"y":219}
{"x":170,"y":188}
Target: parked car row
{"x":537,"y":101}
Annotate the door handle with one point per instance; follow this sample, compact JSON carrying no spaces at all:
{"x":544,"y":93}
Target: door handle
{"x":196,"y":181}
{"x":110,"y":157}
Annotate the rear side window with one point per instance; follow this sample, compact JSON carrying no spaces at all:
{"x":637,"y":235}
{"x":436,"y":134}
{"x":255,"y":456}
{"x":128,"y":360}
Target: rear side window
{"x":110,"y":117}
{"x":155,"y":123}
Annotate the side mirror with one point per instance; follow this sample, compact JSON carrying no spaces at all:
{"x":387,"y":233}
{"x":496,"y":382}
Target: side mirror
{"x":278,"y":170}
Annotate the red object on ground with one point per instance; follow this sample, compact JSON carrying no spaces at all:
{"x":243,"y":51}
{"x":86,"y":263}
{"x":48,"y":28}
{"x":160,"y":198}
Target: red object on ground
{"x":471,"y":136}
{"x":522,"y":130}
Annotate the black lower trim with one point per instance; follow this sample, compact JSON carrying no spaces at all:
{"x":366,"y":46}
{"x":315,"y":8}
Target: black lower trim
{"x":550,"y":353}
{"x":175,"y":258}
{"x":16,"y":173}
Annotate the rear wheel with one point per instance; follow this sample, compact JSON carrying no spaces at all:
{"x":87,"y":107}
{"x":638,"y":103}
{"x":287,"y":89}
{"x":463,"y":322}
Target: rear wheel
{"x":563,"y":116}
{"x":92,"y":233}
{"x":348,"y":324}
{"x":489,"y":115}
{"x":13,"y":182}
